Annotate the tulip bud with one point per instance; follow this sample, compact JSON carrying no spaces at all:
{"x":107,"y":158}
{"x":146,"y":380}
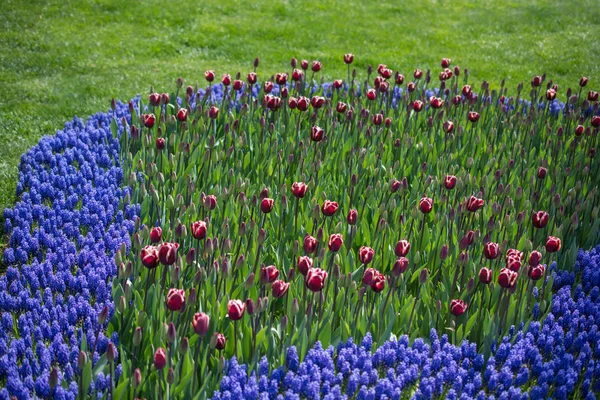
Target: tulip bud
{"x":111,"y":352}
{"x":423,"y":275}
{"x":54,"y":378}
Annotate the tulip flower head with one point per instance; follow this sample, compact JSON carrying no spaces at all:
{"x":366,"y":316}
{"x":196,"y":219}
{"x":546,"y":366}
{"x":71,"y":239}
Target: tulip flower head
{"x":235,"y":309}
{"x":315,"y":279}
{"x":457,"y":307}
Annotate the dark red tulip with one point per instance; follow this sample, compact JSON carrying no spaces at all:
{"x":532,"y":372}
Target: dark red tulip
{"x":175,"y":299}
{"x":513,"y":263}
{"x":316,"y":134}
{"x":316,"y":66}
{"x":411,"y":87}
{"x":457,"y":307}
{"x":536,"y":81}
{"x":182,"y":114}
{"x":369,"y":276}
{"x":268,"y":274}
{"x":200,"y":323}
{"x":371,"y":94}
{"x":583,"y":81}
{"x":514,"y":253}
{"x":474,"y":204}
{"x":537,"y":272}
{"x":220,"y":341}
{"x":365,"y":255}
{"x":304,"y":64}
{"x":378,"y":283}
{"x":252,"y":78}
{"x":596,"y":121}
{"x":237,"y":85}
{"x":395,"y":185}
{"x":303,"y":103}
{"x":156,"y":234}
{"x":436,"y":102}
{"x":198,"y":229}
{"x":399,"y":79}
{"x":592,"y":95}
{"x":579,"y":130}
{"x":279,"y":288}
{"x":299,"y":189}
{"x":448,"y":126}
{"x":450,"y":182}
{"x":553,"y":244}
{"x":352,"y":217}
{"x":226,"y":80}
{"x":377,"y":119}
{"x":348,"y":58}
{"x":541,"y":173}
{"x":445,"y":62}
{"x":315,"y":279}
{"x":540,"y":219}
{"x":149,"y":120}
{"x":292,"y":103}
{"x":268,"y":87}
{"x":491,"y":250}
{"x":209,"y":75}
{"x":418,"y":105}
{"x":337,"y":84}
{"x":210,"y":201}
{"x":266,"y":205}
{"x":402,"y":248}
{"x":149,"y":256}
{"x":160,"y":144}
{"x":425,"y":205}
{"x":335,"y":242}
{"x":310,"y":244}
{"x":386,"y":73}
{"x":235,"y":309}
{"x":213,"y":112}
{"x":380,"y":68}
{"x":485,"y":275}
{"x":341,"y":107}
{"x":400,"y":266}
{"x":154,"y":99}
{"x":473,"y":116}
{"x":329,"y":208}
{"x":418,"y":74}
{"x":167,"y":253}
{"x":160,"y":359}
{"x":281,"y":78}
{"x":304,"y":264}
{"x":507,"y":278}
{"x":535,"y":258}
{"x":550,"y":94}
{"x":466,"y":91}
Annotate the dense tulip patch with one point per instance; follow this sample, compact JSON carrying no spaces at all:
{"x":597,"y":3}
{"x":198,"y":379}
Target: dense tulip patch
{"x":281,"y":220}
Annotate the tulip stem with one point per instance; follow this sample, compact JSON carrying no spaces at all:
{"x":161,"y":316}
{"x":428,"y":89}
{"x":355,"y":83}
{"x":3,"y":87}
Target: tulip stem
{"x":235,"y":338}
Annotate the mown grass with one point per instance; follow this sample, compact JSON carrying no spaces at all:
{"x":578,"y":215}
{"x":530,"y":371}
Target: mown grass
{"x":64,"y":58}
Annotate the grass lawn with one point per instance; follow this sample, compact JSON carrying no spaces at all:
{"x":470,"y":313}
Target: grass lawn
{"x":64,"y":58}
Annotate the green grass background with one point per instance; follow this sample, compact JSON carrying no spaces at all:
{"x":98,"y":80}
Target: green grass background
{"x":64,"y":58}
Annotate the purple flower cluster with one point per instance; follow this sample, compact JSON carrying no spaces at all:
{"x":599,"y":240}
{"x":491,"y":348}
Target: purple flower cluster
{"x":64,"y":232}
{"x":552,"y":359}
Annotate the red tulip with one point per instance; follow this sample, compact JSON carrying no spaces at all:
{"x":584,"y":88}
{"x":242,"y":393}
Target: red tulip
{"x":418,"y":105}
{"x":266,"y":205}
{"x":352,"y":217}
{"x":160,"y":144}
{"x":220,"y":341}
{"x":316,"y":134}
{"x":411,"y":87}
{"x":299,"y":189}
{"x":337,"y":84}
{"x":553,"y":244}
{"x":377,"y":119}
{"x":445,"y":62}
{"x":378,"y":283}
{"x":596,"y":121}
{"x":175,"y":299}
{"x":167,"y":253}
{"x":149,"y":120}
{"x":448,"y":126}
{"x":536,"y":81}
{"x":579,"y":130}
{"x":474,"y":204}
{"x":213,"y":113}
{"x":304,"y":64}
{"x":380,"y":68}
{"x":335,"y":242}
{"x":418,"y":74}
{"x":281,"y":78}
{"x":268,"y":87}
{"x":514,"y":253}
{"x":226,"y":80}
{"x":200,"y":322}
{"x":182,"y":114}
{"x":154,"y":99}
{"x":279,"y":288}
{"x":539,"y":219}
{"x":436,"y":102}
{"x":235,"y":309}
{"x":386,"y":73}
{"x":425,"y":205}
{"x":507,"y":278}
{"x":198,"y":229}
{"x":365,"y":255}
{"x":310,"y":244}
{"x":535,"y":258}
{"x":541,"y":173}
{"x":160,"y":359}
{"x":399,"y":79}
{"x":329,"y":208}
{"x":395,"y":185}
{"x":466,"y":91}
{"x":209,"y":75}
{"x":268,"y":274}
{"x":513,"y":263}
{"x":485,"y":275}
{"x":400,"y":266}
{"x":457,"y":307}
{"x":402,"y":248}
{"x":491,"y":250}
{"x":316,"y":66}
{"x":368,"y":276}
{"x":348,"y":58}
{"x":450,"y":182}
{"x":156,"y":234}
{"x":252,"y":78}
{"x":315,"y":279}
{"x":341,"y":107}
{"x":583,"y":81}
{"x":550,"y":94}
{"x":149,"y":256}
{"x":210,"y":201}
{"x":592,"y":95}
{"x":237,"y":85}
{"x":371,"y":94}
{"x":292,"y":103}
{"x":303,"y":103}
{"x":304,"y":264}
{"x":536,"y":273}
{"x":473,"y":116}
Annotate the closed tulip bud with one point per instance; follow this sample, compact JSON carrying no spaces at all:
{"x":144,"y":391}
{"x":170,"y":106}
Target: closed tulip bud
{"x":444,"y":252}
{"x":537,"y":272}
{"x":400,"y":266}
{"x":82,"y":360}
{"x":200,"y":323}
{"x":310,"y":244}
{"x":160,"y":359}
{"x":103,"y":316}
{"x":250,"y":306}
{"x":423,"y":275}
{"x":425,"y":205}
{"x":485,"y":275}
{"x":352,"y":217}
{"x":463,"y":258}
{"x":170,"y":376}
{"x":137,"y":336}
{"x":335,"y":242}
{"x":491,"y":250}
{"x":535,"y":258}
{"x":262,"y":235}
